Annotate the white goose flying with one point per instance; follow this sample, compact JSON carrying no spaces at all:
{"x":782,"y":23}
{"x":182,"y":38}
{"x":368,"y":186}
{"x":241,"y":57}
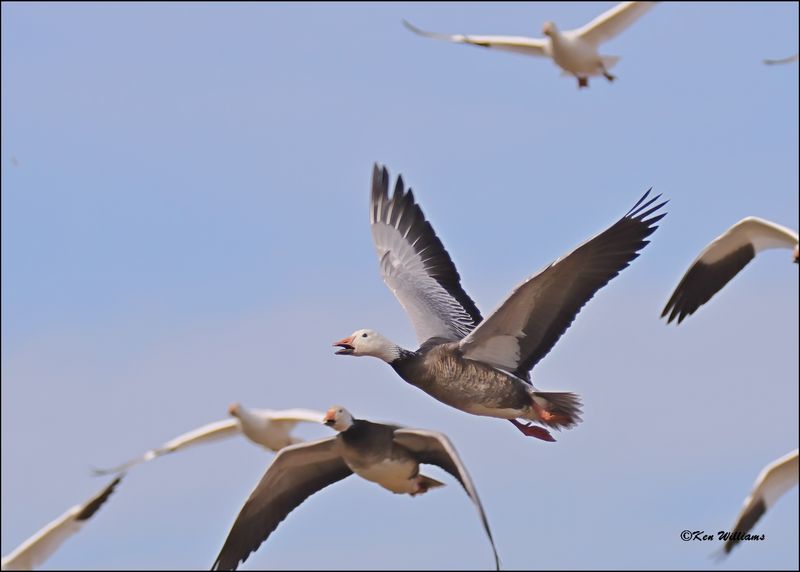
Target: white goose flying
{"x":388,"y":455}
{"x":265,"y":427}
{"x":39,"y":547}
{"x":574,"y":51}
{"x":773,"y":481}
{"x":482,"y":366}
{"x":721,"y":260}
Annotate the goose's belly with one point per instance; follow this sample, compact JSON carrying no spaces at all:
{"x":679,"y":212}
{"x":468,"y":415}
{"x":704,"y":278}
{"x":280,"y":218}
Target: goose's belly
{"x":577,"y":58}
{"x":477,"y":388}
{"x":396,"y":475}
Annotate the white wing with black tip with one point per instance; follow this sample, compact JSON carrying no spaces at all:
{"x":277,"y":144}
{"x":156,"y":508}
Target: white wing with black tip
{"x":723,"y":259}
{"x":415,"y":264}
{"x":433,"y":448}
{"x":296,"y":473}
{"x":39,"y":547}
{"x":773,"y":481}
{"x":211,"y":432}
{"x":516,"y":44}
{"x":531,"y":320}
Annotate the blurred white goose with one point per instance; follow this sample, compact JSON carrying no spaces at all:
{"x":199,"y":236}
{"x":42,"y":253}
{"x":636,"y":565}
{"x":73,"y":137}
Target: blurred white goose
{"x":265,"y":427}
{"x":721,"y":260}
{"x":574,"y":51}
{"x":39,"y":547}
{"x":388,"y":455}
{"x":476,"y":365}
{"x":773,"y":481}
{"x":788,"y":60}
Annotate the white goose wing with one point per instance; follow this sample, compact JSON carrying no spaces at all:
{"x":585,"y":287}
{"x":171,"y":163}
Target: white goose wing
{"x":788,"y":60}
{"x":531,"y":320}
{"x":294,"y":415}
{"x":416,"y":266}
{"x":286,"y":419}
{"x":433,"y":448}
{"x":204,"y":434}
{"x":773,"y":481}
{"x":612,"y":22}
{"x":296,"y":473}
{"x":517,"y":44}
{"x":721,"y":260}
{"x":39,"y":547}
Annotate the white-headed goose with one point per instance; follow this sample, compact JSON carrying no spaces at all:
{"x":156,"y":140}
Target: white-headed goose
{"x":574,"y":51}
{"x":265,"y":427}
{"x":773,"y":481}
{"x":384,"y":454}
{"x":483,"y":366}
{"x":39,"y":547}
{"x":721,"y":260}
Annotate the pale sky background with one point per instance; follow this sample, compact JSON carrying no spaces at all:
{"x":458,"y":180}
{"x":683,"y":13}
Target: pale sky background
{"x":185,"y":224}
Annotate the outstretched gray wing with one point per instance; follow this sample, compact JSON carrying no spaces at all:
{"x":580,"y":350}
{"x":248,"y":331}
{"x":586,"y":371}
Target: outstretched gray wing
{"x":296,"y":473}
{"x":433,"y":448}
{"x":415,"y":264}
{"x":531,"y":320}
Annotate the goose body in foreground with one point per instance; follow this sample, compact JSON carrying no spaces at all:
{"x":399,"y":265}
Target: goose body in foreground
{"x":384,"y":454}
{"x":33,"y":552}
{"x":574,"y":51}
{"x":773,"y":481}
{"x":723,"y":259}
{"x":265,"y":427}
{"x":483,"y":366}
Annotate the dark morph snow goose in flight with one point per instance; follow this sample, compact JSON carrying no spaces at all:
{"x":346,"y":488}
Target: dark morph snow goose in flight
{"x":265,"y":427}
{"x":574,"y":51}
{"x":773,"y":481}
{"x":385,"y":454}
{"x":39,"y":547}
{"x":721,"y":260}
{"x":483,"y":366}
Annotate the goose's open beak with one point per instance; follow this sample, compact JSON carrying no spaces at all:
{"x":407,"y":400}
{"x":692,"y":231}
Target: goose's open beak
{"x":330,"y":418}
{"x":347,"y":346}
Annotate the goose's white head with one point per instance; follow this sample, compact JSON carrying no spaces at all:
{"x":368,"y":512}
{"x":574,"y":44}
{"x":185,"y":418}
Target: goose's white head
{"x":338,"y":418}
{"x":368,"y":343}
{"x":549,"y":29}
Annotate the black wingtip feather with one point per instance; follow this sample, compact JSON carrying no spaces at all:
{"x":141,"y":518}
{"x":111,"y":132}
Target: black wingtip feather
{"x":644,"y":196}
{"x":95,"y":504}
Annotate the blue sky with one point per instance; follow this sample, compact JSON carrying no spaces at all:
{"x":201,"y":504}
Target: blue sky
{"x":184,"y":225}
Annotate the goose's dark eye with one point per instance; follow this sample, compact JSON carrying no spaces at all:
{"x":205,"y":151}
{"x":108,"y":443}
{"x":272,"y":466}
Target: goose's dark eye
{"x":363,"y":335}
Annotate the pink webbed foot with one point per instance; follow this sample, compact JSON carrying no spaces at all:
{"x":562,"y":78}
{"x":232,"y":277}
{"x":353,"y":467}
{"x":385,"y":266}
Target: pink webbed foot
{"x":532,"y":430}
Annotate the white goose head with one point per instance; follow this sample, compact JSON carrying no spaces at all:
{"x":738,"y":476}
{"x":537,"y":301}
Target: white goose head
{"x":338,"y":418}
{"x":368,"y":343}
{"x":549,"y":29}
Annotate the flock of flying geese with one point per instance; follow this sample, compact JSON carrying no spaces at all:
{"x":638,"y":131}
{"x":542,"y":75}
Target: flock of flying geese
{"x":477,"y":365}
